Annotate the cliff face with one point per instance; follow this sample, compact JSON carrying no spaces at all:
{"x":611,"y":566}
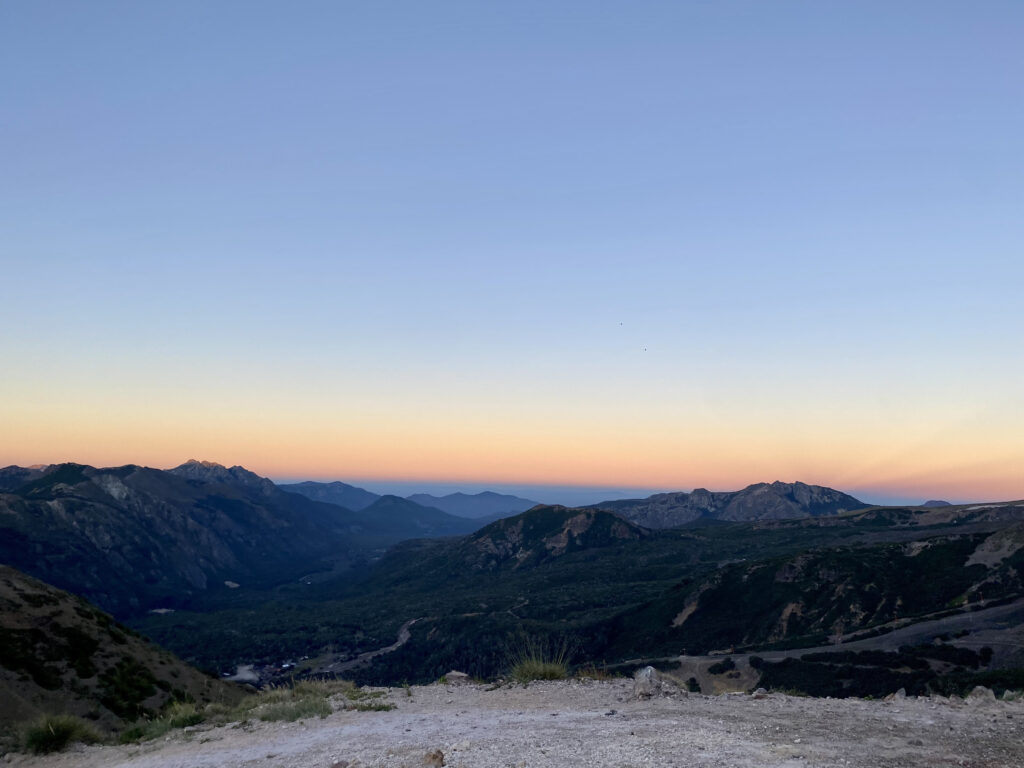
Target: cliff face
{"x":762,"y":501}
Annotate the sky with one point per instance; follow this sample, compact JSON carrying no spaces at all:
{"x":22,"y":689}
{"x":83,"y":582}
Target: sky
{"x":656,"y":245}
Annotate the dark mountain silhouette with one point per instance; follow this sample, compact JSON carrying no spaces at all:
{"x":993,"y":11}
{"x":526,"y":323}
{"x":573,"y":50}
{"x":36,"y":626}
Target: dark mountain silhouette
{"x":402,"y":516}
{"x":485,"y":504}
{"x":342,"y":494}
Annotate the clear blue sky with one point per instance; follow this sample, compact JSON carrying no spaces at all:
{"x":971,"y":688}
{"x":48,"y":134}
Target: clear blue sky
{"x":667,"y":244}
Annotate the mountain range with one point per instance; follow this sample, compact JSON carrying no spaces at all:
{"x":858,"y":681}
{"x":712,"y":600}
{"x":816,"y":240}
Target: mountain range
{"x":488,"y":505}
{"x":761,"y":501}
{"x":133,"y":538}
{"x":256,"y":574}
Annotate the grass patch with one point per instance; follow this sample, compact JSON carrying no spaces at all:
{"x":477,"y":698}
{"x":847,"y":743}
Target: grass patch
{"x":307,"y":698}
{"x":179,"y":714}
{"x":536,"y":659}
{"x":55,"y":732}
{"x":297,"y":709}
{"x":597,"y":673}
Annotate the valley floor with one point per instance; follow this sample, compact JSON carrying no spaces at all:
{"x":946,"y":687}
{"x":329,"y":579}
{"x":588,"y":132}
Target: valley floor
{"x":589,"y":723}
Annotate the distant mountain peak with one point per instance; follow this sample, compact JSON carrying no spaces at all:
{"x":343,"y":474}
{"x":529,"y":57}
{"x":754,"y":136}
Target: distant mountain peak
{"x":200,"y":463}
{"x":212,"y":472}
{"x":936,"y":503}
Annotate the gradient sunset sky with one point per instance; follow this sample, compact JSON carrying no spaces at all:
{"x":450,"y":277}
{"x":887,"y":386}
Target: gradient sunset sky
{"x":636,"y":244}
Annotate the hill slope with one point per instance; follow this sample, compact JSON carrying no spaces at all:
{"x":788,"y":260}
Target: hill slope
{"x":61,"y":655}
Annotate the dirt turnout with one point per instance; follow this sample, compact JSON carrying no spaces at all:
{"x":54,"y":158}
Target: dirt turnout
{"x":589,"y":723}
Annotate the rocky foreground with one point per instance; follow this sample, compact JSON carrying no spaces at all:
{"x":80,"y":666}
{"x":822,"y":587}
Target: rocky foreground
{"x":592,"y":723}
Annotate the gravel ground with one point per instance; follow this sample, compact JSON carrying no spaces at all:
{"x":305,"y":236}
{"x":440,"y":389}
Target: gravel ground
{"x":589,"y":723}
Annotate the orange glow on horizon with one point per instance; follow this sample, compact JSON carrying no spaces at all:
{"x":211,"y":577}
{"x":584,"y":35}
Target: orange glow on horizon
{"x":634,"y":446}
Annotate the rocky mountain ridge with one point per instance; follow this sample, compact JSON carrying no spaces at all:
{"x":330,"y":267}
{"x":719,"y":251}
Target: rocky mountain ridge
{"x":760,"y":501}
{"x":133,"y":538}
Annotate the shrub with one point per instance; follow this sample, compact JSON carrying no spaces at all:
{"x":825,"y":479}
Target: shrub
{"x":721,"y":667}
{"x":182,"y":714}
{"x":53,"y":733}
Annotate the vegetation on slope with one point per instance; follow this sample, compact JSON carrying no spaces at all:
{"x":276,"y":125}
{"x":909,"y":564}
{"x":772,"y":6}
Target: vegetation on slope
{"x":60,"y":655}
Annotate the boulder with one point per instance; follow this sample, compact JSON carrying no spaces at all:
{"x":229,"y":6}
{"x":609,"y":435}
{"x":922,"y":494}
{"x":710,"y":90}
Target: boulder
{"x":457,"y":678}
{"x":647,"y":683}
{"x":980,"y":695}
